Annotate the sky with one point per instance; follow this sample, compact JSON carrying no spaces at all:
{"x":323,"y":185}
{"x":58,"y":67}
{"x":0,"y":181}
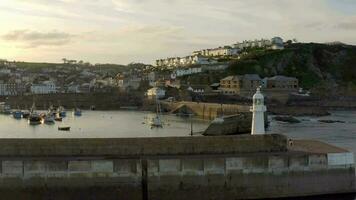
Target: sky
{"x":125,"y":31}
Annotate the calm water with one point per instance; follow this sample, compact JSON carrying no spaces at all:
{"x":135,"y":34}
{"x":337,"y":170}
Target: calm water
{"x":339,"y":134}
{"x":116,"y":124}
{"x":100,"y":124}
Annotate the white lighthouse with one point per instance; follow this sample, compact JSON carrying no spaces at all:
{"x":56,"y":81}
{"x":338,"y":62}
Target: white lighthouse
{"x":258,"y":109}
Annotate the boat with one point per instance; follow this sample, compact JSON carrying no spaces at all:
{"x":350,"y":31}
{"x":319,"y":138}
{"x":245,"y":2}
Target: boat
{"x":48,"y":118}
{"x":77,"y":112}
{"x":26,"y":114}
{"x":61,"y":111}
{"x":5,"y":108}
{"x":58,"y":118}
{"x":17,"y":114}
{"x":34,"y":119}
{"x":92,"y":107}
{"x":64,"y":128}
{"x":156,"y":121}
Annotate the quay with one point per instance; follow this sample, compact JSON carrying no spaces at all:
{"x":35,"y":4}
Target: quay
{"x":222,"y":167}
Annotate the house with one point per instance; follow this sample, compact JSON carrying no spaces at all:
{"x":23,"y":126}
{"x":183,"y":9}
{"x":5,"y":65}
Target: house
{"x":277,"y":43}
{"x":240,"y":85}
{"x":124,"y":82}
{"x":282,"y":82}
{"x":156,"y":92}
{"x":220,"y":51}
{"x":199,"y":89}
{"x":12,"y":89}
{"x":46,"y":87}
{"x":189,"y":71}
{"x":184,"y":61}
{"x":274,"y":43}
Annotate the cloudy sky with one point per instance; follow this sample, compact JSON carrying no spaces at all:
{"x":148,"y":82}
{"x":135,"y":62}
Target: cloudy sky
{"x":124,"y":31}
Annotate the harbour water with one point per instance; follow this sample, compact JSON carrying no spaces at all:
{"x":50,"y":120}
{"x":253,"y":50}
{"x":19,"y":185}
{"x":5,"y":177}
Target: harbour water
{"x":101,"y":124}
{"x":124,"y":124}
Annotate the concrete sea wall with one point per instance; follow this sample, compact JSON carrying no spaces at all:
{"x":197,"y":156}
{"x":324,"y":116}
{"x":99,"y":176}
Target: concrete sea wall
{"x":239,"y":167}
{"x":191,"y":177}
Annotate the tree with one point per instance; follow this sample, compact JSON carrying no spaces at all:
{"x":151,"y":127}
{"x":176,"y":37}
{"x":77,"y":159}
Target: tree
{"x":64,"y":60}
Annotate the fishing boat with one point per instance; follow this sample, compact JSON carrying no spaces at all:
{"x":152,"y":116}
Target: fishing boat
{"x":26,"y":114}
{"x":64,"y":128}
{"x":17,"y":114}
{"x":77,"y":112}
{"x":61,"y":111}
{"x":34,"y":118}
{"x":58,"y":118}
{"x":48,"y":118}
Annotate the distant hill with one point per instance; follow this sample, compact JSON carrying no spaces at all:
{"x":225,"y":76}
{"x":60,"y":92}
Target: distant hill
{"x":315,"y":65}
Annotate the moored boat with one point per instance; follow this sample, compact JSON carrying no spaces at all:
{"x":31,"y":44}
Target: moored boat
{"x":61,"y":111}
{"x":156,"y":122}
{"x":58,"y":118}
{"x":77,"y":112}
{"x":64,"y":128}
{"x":17,"y":114}
{"x":48,"y":118}
{"x":34,"y":119}
{"x":26,"y":114}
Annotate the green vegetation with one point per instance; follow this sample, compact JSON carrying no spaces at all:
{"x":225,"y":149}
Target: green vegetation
{"x":310,"y":63}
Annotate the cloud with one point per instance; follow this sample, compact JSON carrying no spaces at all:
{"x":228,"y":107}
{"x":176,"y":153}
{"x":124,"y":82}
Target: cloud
{"x":351,"y":25}
{"x":33,"y":39}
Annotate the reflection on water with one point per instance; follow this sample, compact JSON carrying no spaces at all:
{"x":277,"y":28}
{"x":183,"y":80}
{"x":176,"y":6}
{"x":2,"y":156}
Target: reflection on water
{"x":339,"y":134}
{"x":100,"y":124}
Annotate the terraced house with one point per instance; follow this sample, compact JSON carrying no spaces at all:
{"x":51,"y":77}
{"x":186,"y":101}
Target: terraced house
{"x":277,"y":87}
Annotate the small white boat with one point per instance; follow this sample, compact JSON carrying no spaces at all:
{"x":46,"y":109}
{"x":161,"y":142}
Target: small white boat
{"x":156,"y":122}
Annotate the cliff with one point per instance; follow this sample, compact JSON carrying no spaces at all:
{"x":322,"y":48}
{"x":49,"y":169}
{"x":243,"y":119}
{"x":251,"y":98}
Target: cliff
{"x":320,"y":67}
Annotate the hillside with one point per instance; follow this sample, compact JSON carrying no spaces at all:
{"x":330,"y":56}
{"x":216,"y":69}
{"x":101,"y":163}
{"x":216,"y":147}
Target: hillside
{"x":315,"y":65}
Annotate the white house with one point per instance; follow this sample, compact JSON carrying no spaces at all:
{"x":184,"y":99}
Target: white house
{"x":189,"y":71}
{"x":156,"y":92}
{"x":46,"y":87}
{"x":277,"y":43}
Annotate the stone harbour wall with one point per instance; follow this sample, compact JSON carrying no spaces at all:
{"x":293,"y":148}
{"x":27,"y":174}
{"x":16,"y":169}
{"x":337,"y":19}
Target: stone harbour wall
{"x":189,"y":177}
{"x":131,"y":147}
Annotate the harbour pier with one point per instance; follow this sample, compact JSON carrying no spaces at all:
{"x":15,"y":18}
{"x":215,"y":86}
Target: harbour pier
{"x":223,"y":167}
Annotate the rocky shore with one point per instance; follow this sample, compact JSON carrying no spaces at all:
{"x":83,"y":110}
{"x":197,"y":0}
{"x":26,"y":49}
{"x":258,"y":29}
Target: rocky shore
{"x":298,"y":110}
